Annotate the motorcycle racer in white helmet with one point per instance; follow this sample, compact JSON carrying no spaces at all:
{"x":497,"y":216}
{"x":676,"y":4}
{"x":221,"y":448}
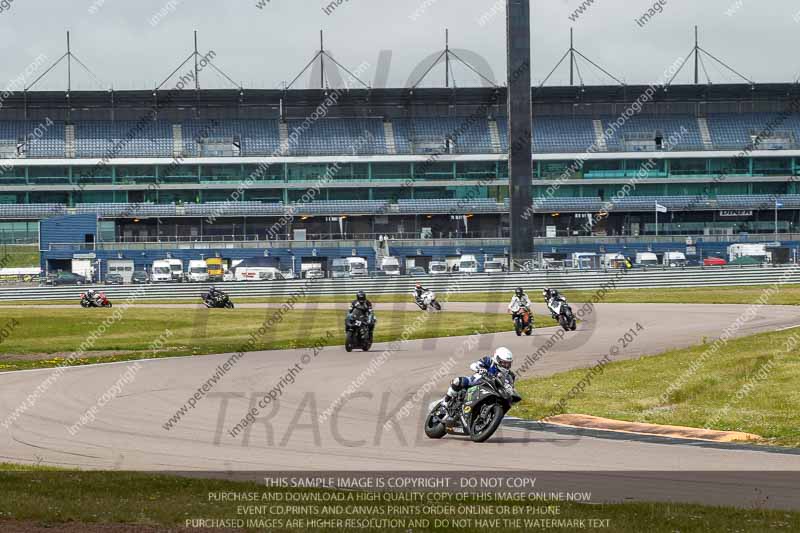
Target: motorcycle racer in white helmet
{"x":500,"y":361}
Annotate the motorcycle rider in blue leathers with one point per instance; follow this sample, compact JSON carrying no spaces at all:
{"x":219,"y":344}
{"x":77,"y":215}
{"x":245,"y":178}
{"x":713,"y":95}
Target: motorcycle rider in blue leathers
{"x":491,"y":365}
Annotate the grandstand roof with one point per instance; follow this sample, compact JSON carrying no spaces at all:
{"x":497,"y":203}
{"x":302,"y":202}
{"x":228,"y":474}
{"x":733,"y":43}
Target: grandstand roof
{"x":364,"y":102}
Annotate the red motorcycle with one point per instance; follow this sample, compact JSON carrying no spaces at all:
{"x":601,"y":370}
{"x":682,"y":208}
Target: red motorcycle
{"x":99,"y":300}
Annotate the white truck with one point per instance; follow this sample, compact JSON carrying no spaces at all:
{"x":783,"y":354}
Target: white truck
{"x":674,"y":259}
{"x":437,"y":267}
{"x":348,"y":267}
{"x":176,"y":268}
{"x":123,"y":267}
{"x":494,"y":266}
{"x":584,"y":260}
{"x":754,"y":250}
{"x":161,"y":271}
{"x":646,"y":259}
{"x":612,"y":260}
{"x":198,"y":271}
{"x":468,"y":264}
{"x":391,"y":266}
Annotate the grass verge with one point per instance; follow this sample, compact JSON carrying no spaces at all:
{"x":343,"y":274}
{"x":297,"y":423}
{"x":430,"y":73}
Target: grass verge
{"x":43,"y":337}
{"x":749,"y":384}
{"x":47,"y":497}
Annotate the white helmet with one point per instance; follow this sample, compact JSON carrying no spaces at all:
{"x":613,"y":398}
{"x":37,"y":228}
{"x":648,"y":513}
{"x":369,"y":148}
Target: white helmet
{"x":503,"y":358}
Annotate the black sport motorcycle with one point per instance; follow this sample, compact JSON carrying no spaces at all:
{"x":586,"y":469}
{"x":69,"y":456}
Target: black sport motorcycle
{"x":358,"y":326}
{"x":476,"y":411}
{"x":220,"y":300}
{"x":562,"y":312}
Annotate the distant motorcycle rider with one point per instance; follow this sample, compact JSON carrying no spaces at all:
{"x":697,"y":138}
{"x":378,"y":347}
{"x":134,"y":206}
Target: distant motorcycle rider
{"x":419,"y":291}
{"x":519,"y":300}
{"x":214,"y":293}
{"x":552,"y":298}
{"x":92,"y":296}
{"x":491,"y":365}
{"x":362,"y":302}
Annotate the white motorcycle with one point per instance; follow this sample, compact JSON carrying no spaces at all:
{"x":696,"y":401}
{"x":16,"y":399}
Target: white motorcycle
{"x":428,"y":299}
{"x":561,"y":311}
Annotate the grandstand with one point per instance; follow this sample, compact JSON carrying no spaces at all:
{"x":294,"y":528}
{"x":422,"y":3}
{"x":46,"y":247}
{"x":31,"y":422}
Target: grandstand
{"x":427,"y":163}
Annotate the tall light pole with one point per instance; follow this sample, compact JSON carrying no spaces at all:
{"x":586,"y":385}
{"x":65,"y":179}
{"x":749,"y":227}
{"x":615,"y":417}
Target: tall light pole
{"x":520,"y":145}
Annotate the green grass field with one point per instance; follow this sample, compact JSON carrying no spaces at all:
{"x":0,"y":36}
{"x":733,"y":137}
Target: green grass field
{"x":59,"y":332}
{"x":749,"y":384}
{"x":83,"y":500}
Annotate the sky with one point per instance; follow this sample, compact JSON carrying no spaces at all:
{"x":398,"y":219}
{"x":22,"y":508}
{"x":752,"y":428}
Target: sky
{"x":136,"y":44}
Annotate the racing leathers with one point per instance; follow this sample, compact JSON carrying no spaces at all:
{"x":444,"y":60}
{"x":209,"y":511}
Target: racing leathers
{"x":365,"y":306}
{"x":554,"y":304}
{"x":484,"y":365}
{"x":518,"y":302}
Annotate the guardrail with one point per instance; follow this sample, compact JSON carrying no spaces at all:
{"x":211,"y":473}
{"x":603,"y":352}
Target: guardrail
{"x":563,"y":280}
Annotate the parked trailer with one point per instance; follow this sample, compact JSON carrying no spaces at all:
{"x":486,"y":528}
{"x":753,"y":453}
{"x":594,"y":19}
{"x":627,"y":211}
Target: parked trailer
{"x":754,"y":250}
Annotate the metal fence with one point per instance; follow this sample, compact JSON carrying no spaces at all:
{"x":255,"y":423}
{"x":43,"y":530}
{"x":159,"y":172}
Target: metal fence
{"x":563,"y":280}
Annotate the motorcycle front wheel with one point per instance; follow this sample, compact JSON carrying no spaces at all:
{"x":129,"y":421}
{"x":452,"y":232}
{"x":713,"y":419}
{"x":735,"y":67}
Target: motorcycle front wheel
{"x":348,"y":342}
{"x":229,"y":305}
{"x":84,"y":303}
{"x":437,"y":305}
{"x":486,"y":423}
{"x":434,"y":430}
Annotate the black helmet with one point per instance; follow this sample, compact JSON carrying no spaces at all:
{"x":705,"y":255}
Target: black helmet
{"x":519,"y":292}
{"x":361,"y":296}
{"x":546,"y":292}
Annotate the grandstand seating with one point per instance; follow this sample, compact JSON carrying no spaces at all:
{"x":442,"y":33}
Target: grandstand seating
{"x":341,"y":207}
{"x":256,"y":137}
{"x":122,"y":138}
{"x":450,"y":205}
{"x":31,"y":210}
{"x":403,"y":206}
{"x":648,"y":126}
{"x":346,"y":136}
{"x":735,"y":132}
{"x":365,"y":136}
{"x":421,"y":135}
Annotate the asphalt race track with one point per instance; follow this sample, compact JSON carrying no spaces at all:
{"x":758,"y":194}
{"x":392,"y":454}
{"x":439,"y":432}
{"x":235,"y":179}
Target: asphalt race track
{"x":129,"y":431}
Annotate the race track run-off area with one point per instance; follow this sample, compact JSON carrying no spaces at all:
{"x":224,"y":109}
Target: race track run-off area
{"x":324,"y":409}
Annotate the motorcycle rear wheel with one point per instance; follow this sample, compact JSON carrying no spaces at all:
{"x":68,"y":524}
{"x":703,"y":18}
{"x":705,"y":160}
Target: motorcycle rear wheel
{"x":496,"y":414}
